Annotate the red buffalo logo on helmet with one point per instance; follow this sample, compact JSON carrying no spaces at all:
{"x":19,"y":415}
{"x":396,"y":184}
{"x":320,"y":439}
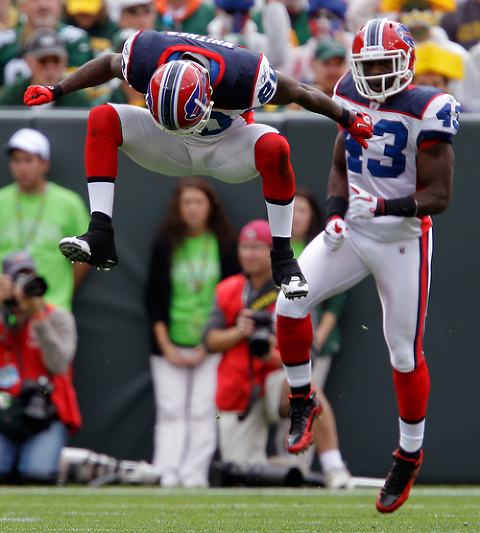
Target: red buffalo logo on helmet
{"x":179,"y":97}
{"x":192,"y":108}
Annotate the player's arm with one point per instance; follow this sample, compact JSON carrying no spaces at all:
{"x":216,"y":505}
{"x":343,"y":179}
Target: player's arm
{"x":435,"y":166}
{"x":434,"y":171}
{"x":95,"y":72}
{"x":289,"y":91}
{"x":336,"y":230}
{"x":338,"y":179}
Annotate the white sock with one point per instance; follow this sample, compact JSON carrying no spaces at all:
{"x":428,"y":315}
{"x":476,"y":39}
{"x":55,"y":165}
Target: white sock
{"x":280,"y":218}
{"x":101,"y":197}
{"x":299,"y":375}
{"x":330,"y":460}
{"x":411,"y":436}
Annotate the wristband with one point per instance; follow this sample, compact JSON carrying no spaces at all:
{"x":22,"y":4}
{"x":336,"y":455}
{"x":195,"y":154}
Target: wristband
{"x":398,"y":207}
{"x":345,"y":119}
{"x":56,"y":90}
{"x":336,"y":205}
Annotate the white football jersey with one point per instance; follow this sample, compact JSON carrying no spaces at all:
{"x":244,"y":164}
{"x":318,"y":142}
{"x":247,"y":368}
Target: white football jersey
{"x":387,"y":168}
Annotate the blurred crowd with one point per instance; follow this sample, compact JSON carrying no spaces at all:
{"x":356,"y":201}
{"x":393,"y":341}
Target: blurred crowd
{"x":310,"y":40}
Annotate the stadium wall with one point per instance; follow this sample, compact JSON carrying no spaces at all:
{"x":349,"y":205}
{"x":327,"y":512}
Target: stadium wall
{"x":112,"y":370}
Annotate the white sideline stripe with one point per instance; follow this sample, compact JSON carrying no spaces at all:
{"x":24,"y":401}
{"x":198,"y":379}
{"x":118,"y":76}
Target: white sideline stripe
{"x":368,"y":482}
{"x":419,"y":490}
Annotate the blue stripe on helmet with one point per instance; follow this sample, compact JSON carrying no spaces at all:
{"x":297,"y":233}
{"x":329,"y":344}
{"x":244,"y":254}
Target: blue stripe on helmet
{"x":167,"y":100}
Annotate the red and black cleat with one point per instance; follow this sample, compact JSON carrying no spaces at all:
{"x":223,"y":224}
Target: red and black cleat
{"x":399,"y":481}
{"x":303,"y":412}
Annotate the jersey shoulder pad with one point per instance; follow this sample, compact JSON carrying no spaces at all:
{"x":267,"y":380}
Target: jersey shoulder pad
{"x":127,"y":52}
{"x":346,"y":90}
{"x":265,"y":84}
{"x":441,"y":115}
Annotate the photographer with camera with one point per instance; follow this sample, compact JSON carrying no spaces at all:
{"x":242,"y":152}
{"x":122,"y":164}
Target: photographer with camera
{"x":252,"y":391}
{"x":38,"y":405}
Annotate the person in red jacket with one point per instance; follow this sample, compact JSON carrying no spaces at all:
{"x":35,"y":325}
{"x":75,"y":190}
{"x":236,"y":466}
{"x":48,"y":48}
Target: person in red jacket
{"x":252,"y":390}
{"x":37,"y":345}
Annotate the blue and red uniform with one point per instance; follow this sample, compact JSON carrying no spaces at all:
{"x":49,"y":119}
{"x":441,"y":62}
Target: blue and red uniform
{"x":241,"y":79}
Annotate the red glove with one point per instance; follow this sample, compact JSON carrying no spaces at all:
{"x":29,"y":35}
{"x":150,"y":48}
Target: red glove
{"x":360,"y":127}
{"x":38,"y":95}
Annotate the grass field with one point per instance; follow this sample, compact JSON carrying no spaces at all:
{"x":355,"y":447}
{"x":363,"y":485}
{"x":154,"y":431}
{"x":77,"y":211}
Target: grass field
{"x":312,"y":510}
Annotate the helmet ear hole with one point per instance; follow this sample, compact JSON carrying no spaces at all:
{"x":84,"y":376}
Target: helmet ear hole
{"x":179,"y":97}
{"x":383,"y":39}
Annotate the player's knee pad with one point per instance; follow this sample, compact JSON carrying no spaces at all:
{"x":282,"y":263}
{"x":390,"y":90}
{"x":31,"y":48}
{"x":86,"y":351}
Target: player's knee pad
{"x":104,"y":136}
{"x":295,"y":336}
{"x":272,"y":160}
{"x":104,"y":124}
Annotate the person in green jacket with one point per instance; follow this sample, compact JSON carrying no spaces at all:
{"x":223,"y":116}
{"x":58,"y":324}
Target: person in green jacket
{"x":47,"y":59}
{"x":37,"y":15}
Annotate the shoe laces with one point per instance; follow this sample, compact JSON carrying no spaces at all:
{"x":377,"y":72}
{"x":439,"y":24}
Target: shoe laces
{"x":399,"y":475}
{"x":300,"y":411}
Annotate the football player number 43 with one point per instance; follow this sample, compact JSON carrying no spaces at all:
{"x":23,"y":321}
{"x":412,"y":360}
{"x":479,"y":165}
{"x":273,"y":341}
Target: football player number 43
{"x":393,"y":150}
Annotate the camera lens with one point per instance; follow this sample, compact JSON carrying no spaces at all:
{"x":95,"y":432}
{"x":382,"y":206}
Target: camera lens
{"x":31,"y":284}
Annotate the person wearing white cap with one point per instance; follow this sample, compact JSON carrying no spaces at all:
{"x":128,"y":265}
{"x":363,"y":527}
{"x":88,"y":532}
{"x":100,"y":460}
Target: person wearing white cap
{"x":36,"y":212}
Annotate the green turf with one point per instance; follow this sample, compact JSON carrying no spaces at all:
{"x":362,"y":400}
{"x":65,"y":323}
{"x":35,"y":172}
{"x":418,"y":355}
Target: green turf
{"x":144,"y":509}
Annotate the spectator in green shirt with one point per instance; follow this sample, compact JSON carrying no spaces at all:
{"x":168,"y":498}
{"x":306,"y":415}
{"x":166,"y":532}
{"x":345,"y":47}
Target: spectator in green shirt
{"x":36,"y":212}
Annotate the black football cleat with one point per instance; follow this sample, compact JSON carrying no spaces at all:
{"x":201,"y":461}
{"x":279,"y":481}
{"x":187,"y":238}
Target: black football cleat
{"x":287,"y":274}
{"x":303,"y":412}
{"x":399,"y":481}
{"x":95,"y":247}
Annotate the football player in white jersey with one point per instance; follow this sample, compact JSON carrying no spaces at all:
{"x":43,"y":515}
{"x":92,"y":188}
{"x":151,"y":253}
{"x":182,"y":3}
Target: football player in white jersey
{"x":379,"y":202}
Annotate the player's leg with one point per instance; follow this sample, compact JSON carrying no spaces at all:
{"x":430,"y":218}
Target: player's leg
{"x":244,"y":151}
{"x":272,"y":160}
{"x":403,"y":283}
{"x":329,"y":273}
{"x":131,"y":129}
{"x":97,"y":246}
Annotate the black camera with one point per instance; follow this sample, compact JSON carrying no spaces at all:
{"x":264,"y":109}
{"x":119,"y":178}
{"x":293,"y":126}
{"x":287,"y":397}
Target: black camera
{"x":35,"y":396}
{"x":31,"y":284}
{"x":259,"y":340}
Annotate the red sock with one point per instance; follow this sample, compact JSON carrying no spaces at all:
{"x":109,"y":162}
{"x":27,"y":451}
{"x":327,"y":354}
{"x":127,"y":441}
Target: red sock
{"x":104,"y":136}
{"x":272,"y":160}
{"x":412,"y":390}
{"x":295,"y":336}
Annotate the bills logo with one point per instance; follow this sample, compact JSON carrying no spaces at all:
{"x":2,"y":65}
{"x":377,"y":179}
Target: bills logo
{"x":192,"y":109}
{"x":404,"y":34}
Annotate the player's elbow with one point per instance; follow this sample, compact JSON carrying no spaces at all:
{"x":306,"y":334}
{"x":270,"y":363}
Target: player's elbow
{"x":442,"y":200}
